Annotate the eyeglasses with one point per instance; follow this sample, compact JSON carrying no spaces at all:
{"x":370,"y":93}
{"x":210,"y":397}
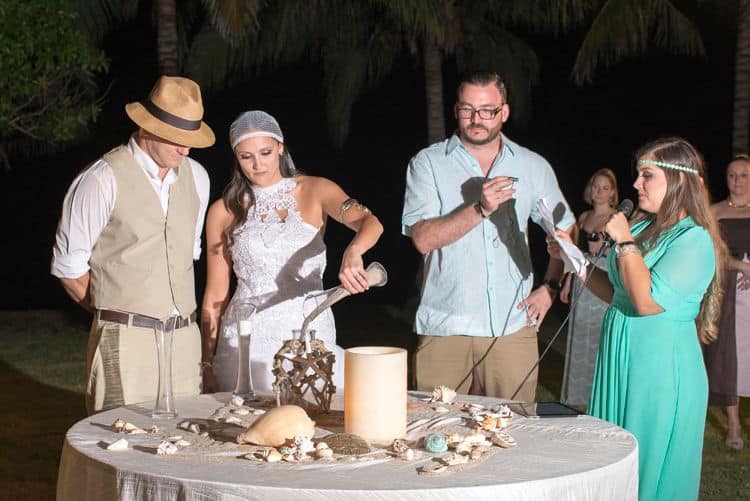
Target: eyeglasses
{"x":484,"y":113}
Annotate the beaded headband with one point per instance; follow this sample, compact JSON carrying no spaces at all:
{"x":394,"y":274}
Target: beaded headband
{"x":684,"y":168}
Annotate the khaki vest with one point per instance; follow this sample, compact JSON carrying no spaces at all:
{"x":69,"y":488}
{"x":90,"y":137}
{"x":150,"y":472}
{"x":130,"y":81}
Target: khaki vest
{"x":143,"y":262}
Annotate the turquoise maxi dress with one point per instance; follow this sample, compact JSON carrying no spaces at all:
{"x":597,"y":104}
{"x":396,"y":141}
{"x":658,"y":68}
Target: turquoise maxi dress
{"x":650,"y":377}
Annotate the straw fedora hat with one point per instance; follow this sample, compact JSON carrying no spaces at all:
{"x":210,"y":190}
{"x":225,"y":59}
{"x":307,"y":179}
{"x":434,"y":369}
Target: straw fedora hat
{"x":173,"y":111}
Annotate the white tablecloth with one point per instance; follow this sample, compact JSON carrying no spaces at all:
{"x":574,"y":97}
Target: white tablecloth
{"x":557,"y":459}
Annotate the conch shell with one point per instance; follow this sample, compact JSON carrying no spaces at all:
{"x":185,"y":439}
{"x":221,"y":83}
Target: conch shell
{"x":278,"y":426}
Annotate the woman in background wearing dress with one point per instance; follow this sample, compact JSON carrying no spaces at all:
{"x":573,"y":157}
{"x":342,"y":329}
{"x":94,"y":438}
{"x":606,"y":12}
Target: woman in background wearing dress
{"x":268,"y":228}
{"x":728,"y":358}
{"x":664,"y":286}
{"x":585,"y":324}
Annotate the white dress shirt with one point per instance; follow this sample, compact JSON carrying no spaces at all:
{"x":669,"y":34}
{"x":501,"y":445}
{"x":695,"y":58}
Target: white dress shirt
{"x":89,"y":203}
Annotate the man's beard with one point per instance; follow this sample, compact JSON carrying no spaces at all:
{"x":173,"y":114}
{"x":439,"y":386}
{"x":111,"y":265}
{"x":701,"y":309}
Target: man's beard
{"x":492,"y":134}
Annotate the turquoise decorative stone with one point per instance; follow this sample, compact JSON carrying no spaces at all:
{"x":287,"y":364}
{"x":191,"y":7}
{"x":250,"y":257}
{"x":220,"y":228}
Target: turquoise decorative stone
{"x":435,"y":442}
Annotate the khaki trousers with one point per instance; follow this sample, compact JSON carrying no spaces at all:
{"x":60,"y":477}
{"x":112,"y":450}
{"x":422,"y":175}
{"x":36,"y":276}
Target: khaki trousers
{"x":123,"y":368}
{"x":446,"y":360}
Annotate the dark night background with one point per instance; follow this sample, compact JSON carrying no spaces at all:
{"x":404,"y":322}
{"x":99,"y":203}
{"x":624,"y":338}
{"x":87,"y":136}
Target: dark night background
{"x":578,"y":129}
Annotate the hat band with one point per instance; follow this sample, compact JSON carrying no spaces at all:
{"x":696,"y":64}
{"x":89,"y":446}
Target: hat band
{"x":170,"y":119}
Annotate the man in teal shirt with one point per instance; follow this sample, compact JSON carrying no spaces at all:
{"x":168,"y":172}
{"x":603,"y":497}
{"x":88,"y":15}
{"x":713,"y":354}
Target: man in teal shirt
{"x":467,"y":205}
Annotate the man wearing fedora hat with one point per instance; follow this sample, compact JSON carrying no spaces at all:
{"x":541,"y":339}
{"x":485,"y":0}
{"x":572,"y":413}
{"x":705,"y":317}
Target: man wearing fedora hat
{"x":130,"y":229}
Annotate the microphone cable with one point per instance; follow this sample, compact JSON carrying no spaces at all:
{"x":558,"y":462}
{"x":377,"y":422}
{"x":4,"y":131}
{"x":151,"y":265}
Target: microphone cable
{"x":626,"y":207}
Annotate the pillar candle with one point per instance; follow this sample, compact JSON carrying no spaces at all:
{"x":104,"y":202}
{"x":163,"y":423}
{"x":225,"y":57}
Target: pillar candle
{"x":375,"y":392}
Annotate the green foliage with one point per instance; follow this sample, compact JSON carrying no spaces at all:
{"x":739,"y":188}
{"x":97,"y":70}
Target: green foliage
{"x":623,"y":28}
{"x":47,"y":67}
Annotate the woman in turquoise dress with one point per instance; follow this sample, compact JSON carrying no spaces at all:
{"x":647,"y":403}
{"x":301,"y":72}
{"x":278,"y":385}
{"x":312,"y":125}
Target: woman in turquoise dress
{"x":664,"y":294}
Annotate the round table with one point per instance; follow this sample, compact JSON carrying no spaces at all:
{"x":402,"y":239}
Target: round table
{"x":580,"y":458}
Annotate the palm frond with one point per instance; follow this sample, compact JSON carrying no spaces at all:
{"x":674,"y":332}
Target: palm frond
{"x":235,"y":20}
{"x":624,"y":28}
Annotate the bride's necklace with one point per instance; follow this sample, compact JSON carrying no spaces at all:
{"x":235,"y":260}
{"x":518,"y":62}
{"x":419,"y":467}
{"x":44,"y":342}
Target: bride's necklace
{"x":274,"y":198}
{"x":737,"y":206}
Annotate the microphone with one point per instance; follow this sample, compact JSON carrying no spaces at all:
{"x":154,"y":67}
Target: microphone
{"x":626,"y":207}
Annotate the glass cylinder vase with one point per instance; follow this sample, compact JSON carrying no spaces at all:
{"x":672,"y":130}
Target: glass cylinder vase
{"x":244,"y":314}
{"x":164,"y":335}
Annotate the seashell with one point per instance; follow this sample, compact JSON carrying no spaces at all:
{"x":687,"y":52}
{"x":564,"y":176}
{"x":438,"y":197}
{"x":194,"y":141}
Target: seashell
{"x":303,"y":444}
{"x":174,"y":438}
{"x":453,"y":439}
{"x":441,"y":410}
{"x":258,"y":412}
{"x":489,"y":422}
{"x":182,"y":443}
{"x":166,"y":448}
{"x":321,"y":445}
{"x":286,"y":450}
{"x":455,"y":459}
{"x":503,"y":439}
{"x":241,"y":411}
{"x":273,"y":456}
{"x":476,"y":453}
{"x":232,"y":419}
{"x":118,"y":445}
{"x":323,"y":453}
{"x":464,"y":448}
{"x":443,"y":394}
{"x":133,"y":429}
{"x":475,"y":438}
{"x":347,"y":443}
{"x":153,"y":430}
{"x":277,"y":426}
{"x":184,"y":425}
{"x":194,"y":428}
{"x":238,"y":401}
{"x":399,"y":446}
{"x":504,"y":411}
{"x":434,"y":467}
{"x":253,"y":456}
{"x":203,"y":434}
{"x":407,"y":455}
{"x":435,"y":442}
{"x":504,"y":422}
{"x":118,"y":425}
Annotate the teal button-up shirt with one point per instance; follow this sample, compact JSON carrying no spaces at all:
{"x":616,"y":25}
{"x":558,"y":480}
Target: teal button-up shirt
{"x":473,"y":285}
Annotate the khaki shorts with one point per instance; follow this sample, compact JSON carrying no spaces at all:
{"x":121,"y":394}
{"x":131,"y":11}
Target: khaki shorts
{"x":123,"y":368}
{"x":446,"y":360}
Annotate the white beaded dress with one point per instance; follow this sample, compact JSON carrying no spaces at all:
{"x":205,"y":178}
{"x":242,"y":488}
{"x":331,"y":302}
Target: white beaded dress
{"x":278,"y":263}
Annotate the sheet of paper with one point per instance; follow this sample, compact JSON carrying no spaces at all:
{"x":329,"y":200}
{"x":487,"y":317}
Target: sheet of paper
{"x":572,"y":257}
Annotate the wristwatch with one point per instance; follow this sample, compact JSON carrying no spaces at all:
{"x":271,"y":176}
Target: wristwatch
{"x":478,"y":207}
{"x":553,"y":285}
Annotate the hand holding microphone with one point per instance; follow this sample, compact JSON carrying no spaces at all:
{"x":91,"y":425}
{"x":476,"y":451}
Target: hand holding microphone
{"x":618,"y":227}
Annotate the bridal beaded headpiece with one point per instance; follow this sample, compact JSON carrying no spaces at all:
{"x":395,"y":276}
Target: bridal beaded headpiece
{"x":668,"y":165}
{"x":257,"y":123}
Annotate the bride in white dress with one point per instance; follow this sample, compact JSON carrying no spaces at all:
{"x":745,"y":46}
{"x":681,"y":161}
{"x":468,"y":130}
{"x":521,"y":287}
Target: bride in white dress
{"x":268,"y":228}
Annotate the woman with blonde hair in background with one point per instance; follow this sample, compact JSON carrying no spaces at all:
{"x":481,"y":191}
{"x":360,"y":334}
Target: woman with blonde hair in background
{"x":585,"y":324}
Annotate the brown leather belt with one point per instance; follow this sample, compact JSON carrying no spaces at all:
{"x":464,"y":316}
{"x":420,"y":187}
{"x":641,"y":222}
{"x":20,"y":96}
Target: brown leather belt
{"x":135,"y":320}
